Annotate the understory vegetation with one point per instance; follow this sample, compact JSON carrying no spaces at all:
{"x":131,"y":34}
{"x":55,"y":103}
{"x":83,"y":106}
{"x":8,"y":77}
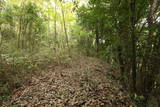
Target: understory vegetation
{"x":124,"y":33}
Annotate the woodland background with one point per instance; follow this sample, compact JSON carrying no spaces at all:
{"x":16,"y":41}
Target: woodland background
{"x":124,"y":33}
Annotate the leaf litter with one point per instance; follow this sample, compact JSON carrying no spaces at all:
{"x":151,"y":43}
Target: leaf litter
{"x":85,"y":82}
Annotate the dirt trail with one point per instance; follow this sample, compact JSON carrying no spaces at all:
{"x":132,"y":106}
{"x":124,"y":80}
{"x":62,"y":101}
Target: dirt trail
{"x":86,"y":82}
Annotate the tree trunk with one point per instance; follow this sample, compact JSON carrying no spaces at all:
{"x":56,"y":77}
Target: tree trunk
{"x":121,"y":62}
{"x":19,"y":32}
{"x":55,"y":22}
{"x":0,"y":37}
{"x":64,"y":25}
{"x":154,"y":5}
{"x":133,"y":39}
{"x":97,"y":40}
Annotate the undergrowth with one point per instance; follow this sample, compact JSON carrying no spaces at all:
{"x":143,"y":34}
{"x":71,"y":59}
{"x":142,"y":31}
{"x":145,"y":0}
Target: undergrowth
{"x":17,"y":69}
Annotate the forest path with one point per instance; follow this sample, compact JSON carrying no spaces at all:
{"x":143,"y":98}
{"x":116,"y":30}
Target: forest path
{"x":85,"y":82}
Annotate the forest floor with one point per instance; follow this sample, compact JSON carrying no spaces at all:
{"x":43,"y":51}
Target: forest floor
{"x":84,"y":82}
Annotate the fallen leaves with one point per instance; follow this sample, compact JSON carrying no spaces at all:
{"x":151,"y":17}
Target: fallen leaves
{"x":85,"y":83}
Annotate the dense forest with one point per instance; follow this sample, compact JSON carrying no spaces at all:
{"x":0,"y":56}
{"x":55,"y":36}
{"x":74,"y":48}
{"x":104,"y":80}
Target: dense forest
{"x":120,"y":38}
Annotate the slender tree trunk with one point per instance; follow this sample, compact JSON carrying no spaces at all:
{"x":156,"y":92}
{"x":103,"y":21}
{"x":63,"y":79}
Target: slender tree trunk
{"x":0,"y":24}
{"x":48,"y":33}
{"x":23,"y":34}
{"x":55,"y":22}
{"x":97,"y":41}
{"x":19,"y":35}
{"x":133,"y":39}
{"x":0,"y":37}
{"x":64,"y":25}
{"x":121,"y":62}
{"x":48,"y":30}
{"x":19,"y":32}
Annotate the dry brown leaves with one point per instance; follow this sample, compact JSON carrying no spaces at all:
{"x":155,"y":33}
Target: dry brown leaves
{"x":83,"y":83}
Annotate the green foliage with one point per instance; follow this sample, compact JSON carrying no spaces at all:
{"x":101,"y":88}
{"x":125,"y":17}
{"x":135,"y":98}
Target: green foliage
{"x":123,"y":34}
{"x":138,"y":100}
{"x":131,"y":39}
{"x":27,"y":39}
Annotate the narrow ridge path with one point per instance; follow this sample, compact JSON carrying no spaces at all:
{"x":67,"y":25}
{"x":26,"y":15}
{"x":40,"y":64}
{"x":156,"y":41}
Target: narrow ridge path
{"x":85,"y":82}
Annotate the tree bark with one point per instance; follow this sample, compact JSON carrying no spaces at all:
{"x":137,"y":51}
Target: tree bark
{"x":133,"y":39}
{"x":19,"y":32}
{"x":0,"y":37}
{"x":97,"y":40}
{"x":64,"y":25}
{"x":154,"y":5}
{"x":55,"y":22}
